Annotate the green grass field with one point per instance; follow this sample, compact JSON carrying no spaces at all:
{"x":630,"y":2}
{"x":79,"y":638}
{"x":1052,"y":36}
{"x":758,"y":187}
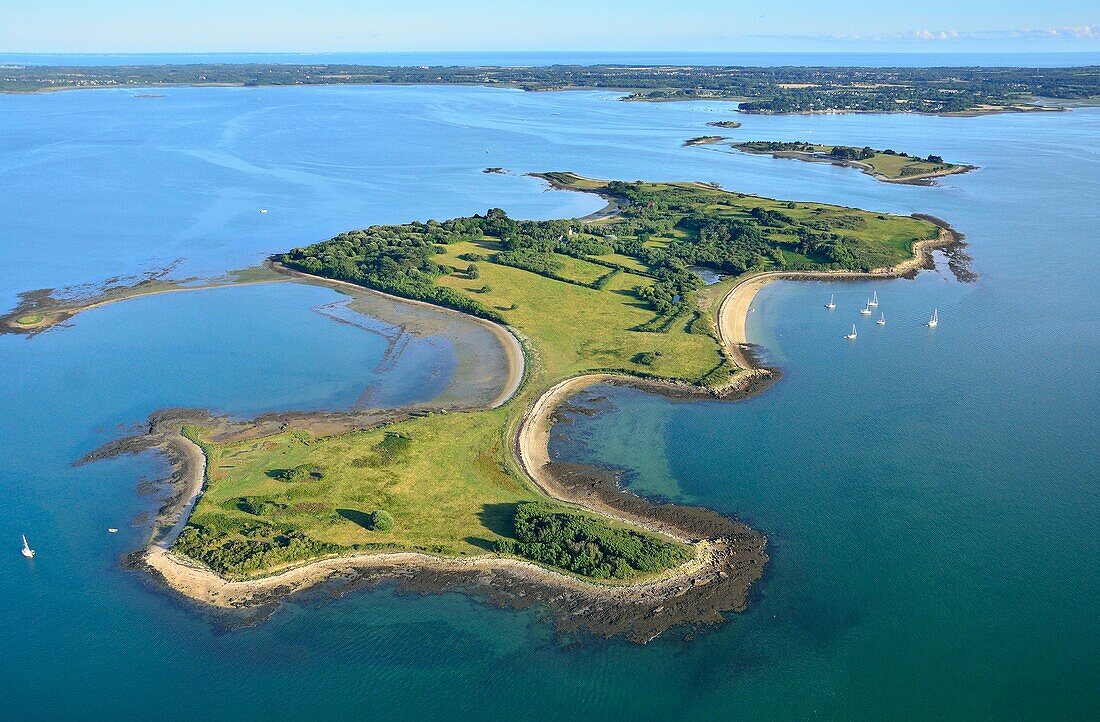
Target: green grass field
{"x":450,"y":481}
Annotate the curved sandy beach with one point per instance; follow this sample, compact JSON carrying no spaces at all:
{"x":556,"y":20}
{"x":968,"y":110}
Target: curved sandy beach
{"x":734,"y":310}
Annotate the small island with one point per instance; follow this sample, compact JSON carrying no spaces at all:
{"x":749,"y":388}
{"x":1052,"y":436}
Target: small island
{"x":469,"y":498}
{"x":725,"y":124}
{"x":887,"y":165}
{"x":705,"y":140}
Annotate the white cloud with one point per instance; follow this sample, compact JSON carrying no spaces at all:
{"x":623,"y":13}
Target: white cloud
{"x":939,"y":35}
{"x":1077,"y":31}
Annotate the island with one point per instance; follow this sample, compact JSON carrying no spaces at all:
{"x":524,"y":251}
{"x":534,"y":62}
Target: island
{"x":725,"y":124}
{"x":787,"y":89}
{"x":705,"y":140}
{"x":886,"y":165}
{"x":468,"y":497}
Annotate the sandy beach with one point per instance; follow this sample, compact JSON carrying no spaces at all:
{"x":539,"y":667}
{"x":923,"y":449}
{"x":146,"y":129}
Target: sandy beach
{"x":734,"y":310}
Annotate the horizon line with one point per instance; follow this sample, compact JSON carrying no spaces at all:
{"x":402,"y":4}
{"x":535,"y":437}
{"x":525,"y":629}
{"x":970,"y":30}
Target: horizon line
{"x":697,"y":52}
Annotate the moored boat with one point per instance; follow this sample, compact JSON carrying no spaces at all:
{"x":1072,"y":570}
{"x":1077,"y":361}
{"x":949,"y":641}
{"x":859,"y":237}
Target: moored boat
{"x":27,"y":551}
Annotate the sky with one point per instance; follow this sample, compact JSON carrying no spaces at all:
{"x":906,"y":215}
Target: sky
{"x":136,"y":26}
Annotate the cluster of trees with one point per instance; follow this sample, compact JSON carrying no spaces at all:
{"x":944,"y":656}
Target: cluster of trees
{"x":586,"y":545}
{"x":235,"y":547}
{"x":775,"y":146}
{"x":845,"y":152}
{"x":842,"y":152}
{"x":932,"y":90}
{"x":744,"y":236}
{"x":397,"y":259}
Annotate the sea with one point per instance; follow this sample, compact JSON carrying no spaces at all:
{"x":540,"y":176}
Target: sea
{"x":930,"y":497}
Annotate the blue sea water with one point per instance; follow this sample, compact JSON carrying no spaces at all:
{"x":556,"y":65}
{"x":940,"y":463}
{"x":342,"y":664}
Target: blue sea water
{"x":930,"y":497}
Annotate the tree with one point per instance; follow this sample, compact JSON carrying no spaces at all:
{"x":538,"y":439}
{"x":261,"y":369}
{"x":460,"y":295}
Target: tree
{"x":381,"y":520}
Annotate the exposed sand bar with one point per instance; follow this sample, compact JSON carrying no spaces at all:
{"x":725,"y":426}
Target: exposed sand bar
{"x":53,"y":312}
{"x":513,"y":351}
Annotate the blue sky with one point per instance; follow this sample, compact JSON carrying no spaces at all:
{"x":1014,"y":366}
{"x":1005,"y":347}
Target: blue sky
{"x":111,"y":26}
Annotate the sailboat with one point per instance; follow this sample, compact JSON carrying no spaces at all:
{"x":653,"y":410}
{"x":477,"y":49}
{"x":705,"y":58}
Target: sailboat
{"x":852,"y":335}
{"x":874,"y":300}
{"x":831,"y":304}
{"x":866,"y":310}
{"x":881,"y":319}
{"x":27,"y":551}
{"x":935,"y":320}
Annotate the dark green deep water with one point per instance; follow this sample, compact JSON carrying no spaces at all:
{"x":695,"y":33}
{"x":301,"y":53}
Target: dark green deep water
{"x":930,"y":497}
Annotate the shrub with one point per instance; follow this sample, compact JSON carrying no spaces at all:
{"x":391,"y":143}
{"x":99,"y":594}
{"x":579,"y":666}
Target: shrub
{"x":381,"y":520}
{"x":302,"y":472}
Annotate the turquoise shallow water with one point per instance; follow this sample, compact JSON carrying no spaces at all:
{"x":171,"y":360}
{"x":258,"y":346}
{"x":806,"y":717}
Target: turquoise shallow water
{"x":930,"y":497}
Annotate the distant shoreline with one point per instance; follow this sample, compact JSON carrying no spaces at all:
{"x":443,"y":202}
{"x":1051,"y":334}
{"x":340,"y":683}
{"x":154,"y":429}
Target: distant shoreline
{"x":628,"y":92}
{"x":757,"y":89}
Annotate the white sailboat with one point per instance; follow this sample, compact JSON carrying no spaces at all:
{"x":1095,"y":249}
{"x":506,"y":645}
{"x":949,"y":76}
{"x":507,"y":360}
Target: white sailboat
{"x":881,"y":319}
{"x":27,"y":551}
{"x":831,"y":304}
{"x":866,"y":310}
{"x":852,"y":335}
{"x":874,"y":300}
{"x":935,"y":320}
